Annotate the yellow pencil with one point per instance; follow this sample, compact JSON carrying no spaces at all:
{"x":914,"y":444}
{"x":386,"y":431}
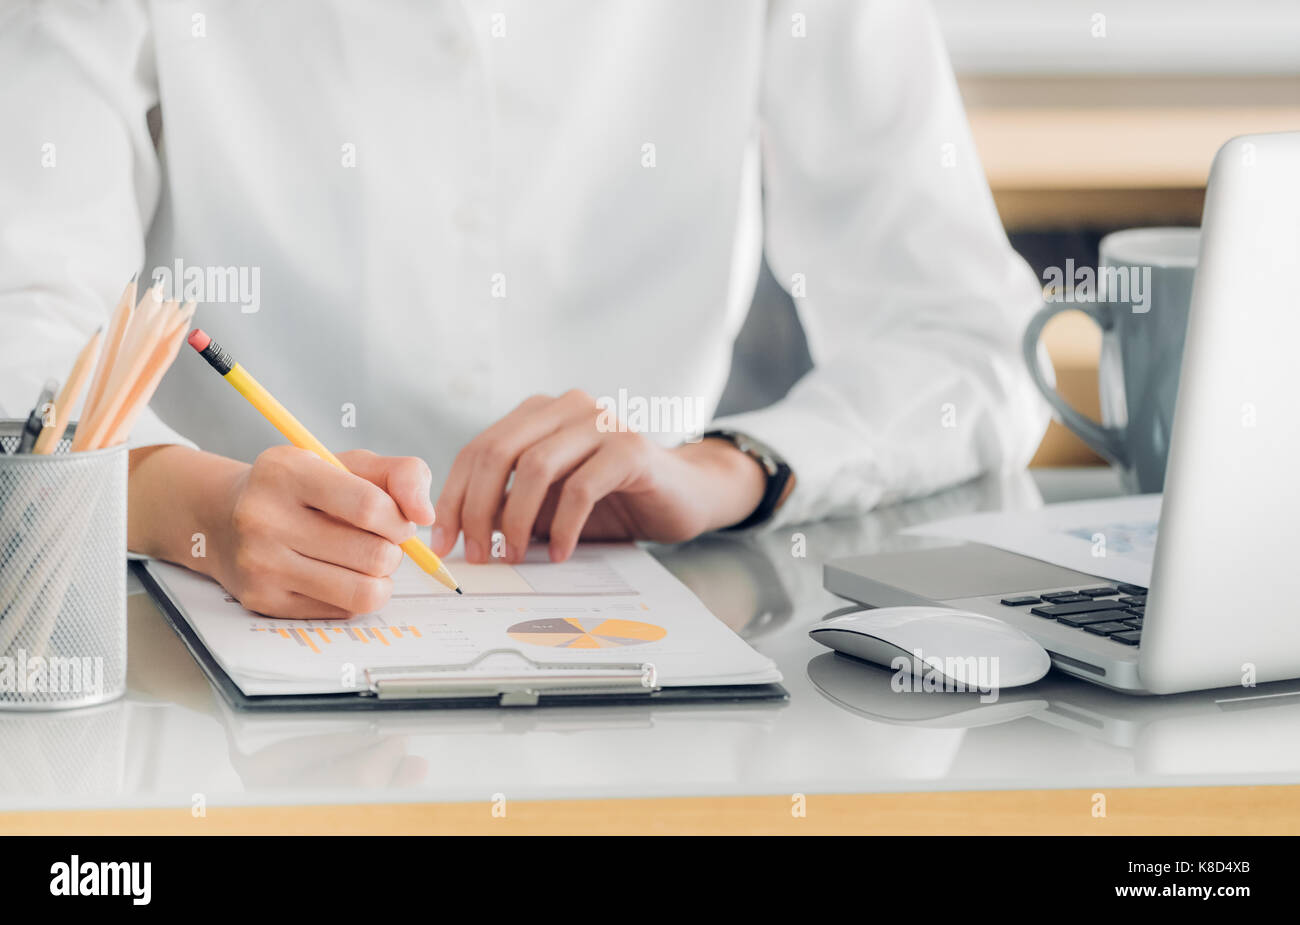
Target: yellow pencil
{"x":301,"y":437}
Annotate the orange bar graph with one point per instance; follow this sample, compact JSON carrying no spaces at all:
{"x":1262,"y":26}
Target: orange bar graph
{"x":302,"y":634}
{"x":313,"y":637}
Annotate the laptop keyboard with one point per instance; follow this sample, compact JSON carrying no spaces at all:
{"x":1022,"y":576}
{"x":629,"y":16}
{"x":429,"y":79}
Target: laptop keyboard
{"x":1114,"y":611}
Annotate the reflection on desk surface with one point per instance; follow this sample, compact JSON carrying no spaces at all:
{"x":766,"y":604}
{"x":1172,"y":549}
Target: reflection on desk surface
{"x":1229,"y":729}
{"x":172,"y":737}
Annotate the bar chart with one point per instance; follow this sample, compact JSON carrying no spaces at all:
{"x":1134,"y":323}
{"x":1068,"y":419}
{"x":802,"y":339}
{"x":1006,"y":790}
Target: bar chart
{"x":317,"y":636}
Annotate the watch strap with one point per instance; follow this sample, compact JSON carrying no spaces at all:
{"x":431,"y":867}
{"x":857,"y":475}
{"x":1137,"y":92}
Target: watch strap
{"x":777,"y":470}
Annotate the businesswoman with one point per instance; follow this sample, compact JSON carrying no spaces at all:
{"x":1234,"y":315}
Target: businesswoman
{"x":462,"y":229}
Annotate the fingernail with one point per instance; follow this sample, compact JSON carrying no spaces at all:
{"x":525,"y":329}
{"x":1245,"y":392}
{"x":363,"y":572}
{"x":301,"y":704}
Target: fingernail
{"x":473,"y":550}
{"x":438,"y":538}
{"x":426,"y":491}
{"x":411,"y":529}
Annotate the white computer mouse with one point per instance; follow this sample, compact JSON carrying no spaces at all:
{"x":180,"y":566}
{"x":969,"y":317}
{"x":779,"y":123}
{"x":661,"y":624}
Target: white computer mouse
{"x":965,"y":650}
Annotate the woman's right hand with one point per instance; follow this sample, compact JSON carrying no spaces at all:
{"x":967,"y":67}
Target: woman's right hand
{"x":289,"y":535}
{"x":304,"y":539}
{"x":296,"y":537}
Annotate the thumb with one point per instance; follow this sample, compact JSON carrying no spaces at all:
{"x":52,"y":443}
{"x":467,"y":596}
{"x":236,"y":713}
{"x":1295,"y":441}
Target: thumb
{"x":407,"y":480}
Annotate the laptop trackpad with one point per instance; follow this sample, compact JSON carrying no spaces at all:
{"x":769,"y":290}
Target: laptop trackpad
{"x":944,"y":573}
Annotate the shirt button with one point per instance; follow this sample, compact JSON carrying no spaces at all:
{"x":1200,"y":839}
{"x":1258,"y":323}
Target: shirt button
{"x":468,"y":218}
{"x":463,"y":386}
{"x":456,"y":45}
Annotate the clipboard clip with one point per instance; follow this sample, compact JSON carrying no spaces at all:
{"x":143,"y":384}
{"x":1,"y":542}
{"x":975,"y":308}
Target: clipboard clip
{"x":520,"y":689}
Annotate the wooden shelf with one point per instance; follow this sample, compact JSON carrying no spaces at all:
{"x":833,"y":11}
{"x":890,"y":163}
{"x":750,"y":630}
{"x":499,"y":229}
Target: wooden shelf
{"x":1047,"y":143}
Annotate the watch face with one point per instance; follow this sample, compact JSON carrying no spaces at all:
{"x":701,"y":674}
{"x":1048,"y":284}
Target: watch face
{"x":761,"y":454}
{"x":746,"y":444}
{"x":765,"y":457}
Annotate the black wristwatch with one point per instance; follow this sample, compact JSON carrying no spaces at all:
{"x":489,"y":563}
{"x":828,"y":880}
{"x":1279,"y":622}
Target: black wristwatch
{"x":780,"y":477}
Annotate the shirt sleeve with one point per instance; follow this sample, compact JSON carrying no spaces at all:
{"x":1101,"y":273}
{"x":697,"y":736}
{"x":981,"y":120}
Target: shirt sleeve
{"x":879,"y":222}
{"x":79,"y":183}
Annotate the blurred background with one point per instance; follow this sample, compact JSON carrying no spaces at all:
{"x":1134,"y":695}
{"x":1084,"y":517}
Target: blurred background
{"x":1081,"y":134}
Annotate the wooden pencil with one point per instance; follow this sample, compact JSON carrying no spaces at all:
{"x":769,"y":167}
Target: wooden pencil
{"x":66,"y":400}
{"x":168,"y":344}
{"x":107,"y":356}
{"x":133,"y":355}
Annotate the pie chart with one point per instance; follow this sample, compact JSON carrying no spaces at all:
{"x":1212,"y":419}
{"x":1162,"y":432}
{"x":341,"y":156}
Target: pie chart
{"x":585,"y":633}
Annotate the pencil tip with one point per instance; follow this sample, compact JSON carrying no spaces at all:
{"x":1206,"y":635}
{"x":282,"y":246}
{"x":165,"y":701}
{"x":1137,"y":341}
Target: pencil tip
{"x":459,"y":591}
{"x":134,"y":276}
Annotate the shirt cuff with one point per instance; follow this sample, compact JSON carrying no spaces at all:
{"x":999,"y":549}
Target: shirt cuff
{"x":827,"y":482}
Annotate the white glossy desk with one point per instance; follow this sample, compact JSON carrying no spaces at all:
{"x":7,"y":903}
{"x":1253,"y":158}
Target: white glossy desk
{"x":862,"y":759}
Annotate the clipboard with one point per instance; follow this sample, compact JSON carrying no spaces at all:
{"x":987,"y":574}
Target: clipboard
{"x":424,"y":687}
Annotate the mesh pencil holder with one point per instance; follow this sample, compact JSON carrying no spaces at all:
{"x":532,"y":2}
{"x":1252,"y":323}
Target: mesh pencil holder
{"x":62,"y":575}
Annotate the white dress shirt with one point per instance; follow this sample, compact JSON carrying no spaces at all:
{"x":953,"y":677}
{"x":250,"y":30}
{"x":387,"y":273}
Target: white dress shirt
{"x":437,"y":209}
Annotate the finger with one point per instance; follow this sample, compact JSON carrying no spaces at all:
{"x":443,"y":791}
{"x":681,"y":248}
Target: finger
{"x":348,"y":497}
{"x":290,"y":605}
{"x":300,"y":607}
{"x":406,"y":479}
{"x":327,"y":539}
{"x":484,"y":499}
{"x":539,"y":467}
{"x":496,"y":451}
{"x":611,"y":466}
{"x":447,"y":522}
{"x":343,"y":588}
{"x":535,"y":417}
{"x":546,"y":516}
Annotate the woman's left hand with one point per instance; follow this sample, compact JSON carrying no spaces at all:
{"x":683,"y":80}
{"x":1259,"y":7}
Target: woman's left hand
{"x":577,"y":477}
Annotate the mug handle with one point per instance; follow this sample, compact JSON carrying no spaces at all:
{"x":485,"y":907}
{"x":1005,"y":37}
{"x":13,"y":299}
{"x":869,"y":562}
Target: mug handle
{"x":1106,"y":441}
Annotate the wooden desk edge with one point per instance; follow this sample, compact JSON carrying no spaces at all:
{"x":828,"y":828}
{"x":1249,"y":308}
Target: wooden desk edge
{"x":1254,"y":810}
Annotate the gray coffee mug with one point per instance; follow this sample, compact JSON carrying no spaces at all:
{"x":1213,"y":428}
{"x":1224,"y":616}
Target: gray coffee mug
{"x":1140,"y":298}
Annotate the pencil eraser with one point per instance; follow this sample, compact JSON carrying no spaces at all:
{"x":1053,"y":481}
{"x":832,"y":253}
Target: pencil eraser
{"x":199,"y":340}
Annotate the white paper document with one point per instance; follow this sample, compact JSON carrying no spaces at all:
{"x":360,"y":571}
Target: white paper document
{"x":609,"y":604}
{"x":1113,"y":538}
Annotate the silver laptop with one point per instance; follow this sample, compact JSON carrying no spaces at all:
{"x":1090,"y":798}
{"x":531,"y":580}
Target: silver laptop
{"x":1224,"y":603}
